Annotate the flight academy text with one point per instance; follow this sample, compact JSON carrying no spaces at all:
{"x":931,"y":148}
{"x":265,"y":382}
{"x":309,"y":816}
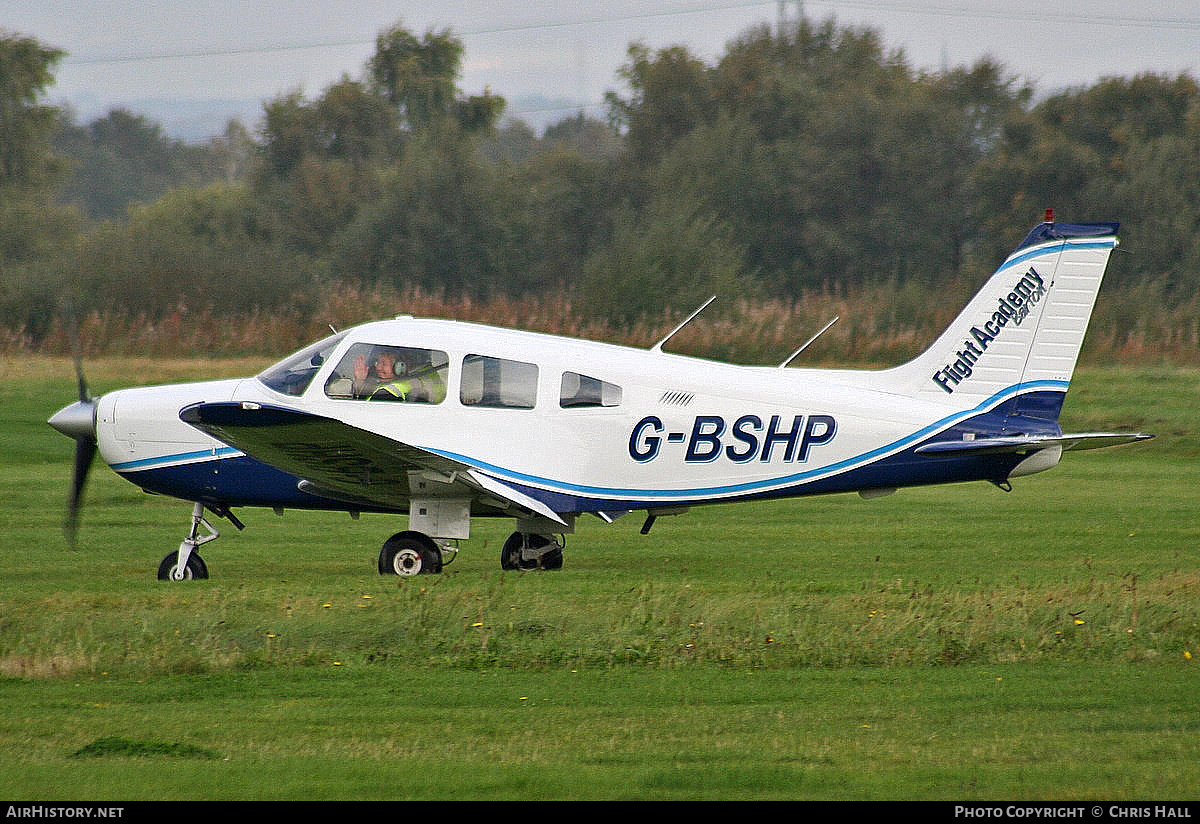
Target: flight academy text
{"x":1012,"y":309}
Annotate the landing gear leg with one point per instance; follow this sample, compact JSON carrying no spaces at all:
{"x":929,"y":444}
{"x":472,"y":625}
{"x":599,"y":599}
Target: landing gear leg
{"x":527,"y":550}
{"x":185,"y":564}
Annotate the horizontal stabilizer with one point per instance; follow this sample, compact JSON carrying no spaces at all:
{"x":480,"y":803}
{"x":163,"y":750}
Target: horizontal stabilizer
{"x":1031,"y":443}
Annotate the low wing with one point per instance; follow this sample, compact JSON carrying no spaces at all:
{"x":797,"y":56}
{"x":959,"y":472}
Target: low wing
{"x":343,"y":462}
{"x":1031,"y":443}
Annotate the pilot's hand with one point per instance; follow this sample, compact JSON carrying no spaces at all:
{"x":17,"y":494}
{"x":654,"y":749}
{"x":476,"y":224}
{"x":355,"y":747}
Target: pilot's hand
{"x":360,"y":368}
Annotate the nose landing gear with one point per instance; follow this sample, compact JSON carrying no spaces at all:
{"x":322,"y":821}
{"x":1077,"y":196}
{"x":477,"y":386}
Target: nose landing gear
{"x":185,"y":564}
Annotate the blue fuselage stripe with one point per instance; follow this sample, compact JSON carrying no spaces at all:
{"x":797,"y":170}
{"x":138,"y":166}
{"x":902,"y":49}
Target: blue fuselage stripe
{"x":250,"y":482}
{"x":729,"y":490}
{"x":176,"y":458}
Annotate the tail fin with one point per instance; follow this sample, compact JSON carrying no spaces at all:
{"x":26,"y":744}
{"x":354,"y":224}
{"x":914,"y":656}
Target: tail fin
{"x":1020,"y":336}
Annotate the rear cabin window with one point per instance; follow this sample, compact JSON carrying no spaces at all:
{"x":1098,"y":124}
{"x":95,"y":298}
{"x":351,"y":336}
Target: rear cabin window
{"x":390,"y":373}
{"x":581,"y":392}
{"x":498,"y":383}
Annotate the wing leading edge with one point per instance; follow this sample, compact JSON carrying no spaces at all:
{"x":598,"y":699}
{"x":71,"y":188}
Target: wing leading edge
{"x":343,"y":462}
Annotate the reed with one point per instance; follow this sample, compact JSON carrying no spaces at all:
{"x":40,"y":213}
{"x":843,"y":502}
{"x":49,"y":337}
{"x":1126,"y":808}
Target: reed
{"x":877,"y":324}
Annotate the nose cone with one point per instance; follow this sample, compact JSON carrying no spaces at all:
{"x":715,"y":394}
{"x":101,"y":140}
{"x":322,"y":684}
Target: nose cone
{"x":77,"y":420}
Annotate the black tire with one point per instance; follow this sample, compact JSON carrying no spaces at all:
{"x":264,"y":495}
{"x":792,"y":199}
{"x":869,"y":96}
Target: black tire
{"x":409,"y":553}
{"x":196,"y":569}
{"x":552,"y":559}
{"x":510,"y":554}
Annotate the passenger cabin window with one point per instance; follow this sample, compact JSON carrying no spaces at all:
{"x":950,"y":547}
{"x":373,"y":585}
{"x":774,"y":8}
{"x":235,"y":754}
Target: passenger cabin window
{"x":498,"y":383}
{"x":580,"y":391}
{"x":293,"y":374}
{"x":390,"y":373}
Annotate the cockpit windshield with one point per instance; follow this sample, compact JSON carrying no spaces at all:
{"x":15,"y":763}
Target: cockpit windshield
{"x":293,"y":374}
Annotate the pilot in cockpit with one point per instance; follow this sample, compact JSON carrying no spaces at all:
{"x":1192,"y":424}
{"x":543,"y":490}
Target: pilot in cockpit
{"x":399,"y":374}
{"x":370,"y":374}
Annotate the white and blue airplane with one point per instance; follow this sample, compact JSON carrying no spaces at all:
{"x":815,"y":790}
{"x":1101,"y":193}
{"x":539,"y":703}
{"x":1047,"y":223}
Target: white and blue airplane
{"x":445,"y":421}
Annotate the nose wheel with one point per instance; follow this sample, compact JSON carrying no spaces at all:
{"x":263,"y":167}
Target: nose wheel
{"x":185,"y":564}
{"x":193,"y":569}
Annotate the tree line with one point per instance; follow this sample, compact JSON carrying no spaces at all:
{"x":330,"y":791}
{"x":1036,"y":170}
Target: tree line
{"x":806,"y":160}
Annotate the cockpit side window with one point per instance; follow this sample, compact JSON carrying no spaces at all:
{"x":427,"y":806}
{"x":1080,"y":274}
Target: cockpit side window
{"x":498,"y":383}
{"x":390,"y":373}
{"x":293,"y":374}
{"x":580,"y":391}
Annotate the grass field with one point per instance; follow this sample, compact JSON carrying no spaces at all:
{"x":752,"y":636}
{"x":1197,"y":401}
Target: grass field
{"x":953,"y":643}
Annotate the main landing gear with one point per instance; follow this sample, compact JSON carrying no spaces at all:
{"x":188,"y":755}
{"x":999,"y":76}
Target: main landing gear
{"x":526,"y":550}
{"x":414,"y":553}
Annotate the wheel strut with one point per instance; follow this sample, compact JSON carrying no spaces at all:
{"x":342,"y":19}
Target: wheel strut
{"x":175,"y":567}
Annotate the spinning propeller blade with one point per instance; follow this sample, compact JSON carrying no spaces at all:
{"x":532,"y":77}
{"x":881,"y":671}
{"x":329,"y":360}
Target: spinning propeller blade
{"x":85,"y":452}
{"x":77,"y":421}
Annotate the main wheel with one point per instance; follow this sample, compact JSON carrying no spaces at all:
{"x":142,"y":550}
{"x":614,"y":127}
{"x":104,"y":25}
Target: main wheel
{"x":510,"y":553}
{"x":511,"y":558}
{"x":196,"y":569}
{"x":409,"y":553}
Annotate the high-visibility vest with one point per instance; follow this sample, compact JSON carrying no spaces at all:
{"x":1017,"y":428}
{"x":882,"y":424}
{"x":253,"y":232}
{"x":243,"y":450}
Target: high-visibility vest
{"x":432,"y":380}
{"x":397,"y":389}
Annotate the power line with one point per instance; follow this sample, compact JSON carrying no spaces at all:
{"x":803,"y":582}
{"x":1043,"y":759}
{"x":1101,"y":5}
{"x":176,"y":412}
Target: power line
{"x":906,"y":7}
{"x":769,"y":8}
{"x":1047,"y":14}
{"x":476,"y":32}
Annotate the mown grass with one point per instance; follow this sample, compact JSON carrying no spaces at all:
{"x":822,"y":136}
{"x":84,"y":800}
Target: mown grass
{"x":947,"y":643}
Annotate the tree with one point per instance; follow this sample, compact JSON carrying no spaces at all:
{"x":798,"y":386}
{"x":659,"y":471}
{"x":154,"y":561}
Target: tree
{"x":1091,"y":149}
{"x":670,"y":96}
{"x":418,"y":78}
{"x":325,"y":161}
{"x":430,"y":225}
{"x":124,"y":158}
{"x":30,"y":225}
{"x":824,"y":154}
{"x":26,"y":69}
{"x":321,"y":161}
{"x":667,"y":259}
{"x":197,"y":248}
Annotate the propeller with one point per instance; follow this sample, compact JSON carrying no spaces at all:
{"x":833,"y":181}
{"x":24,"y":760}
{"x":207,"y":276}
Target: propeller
{"x":77,"y":421}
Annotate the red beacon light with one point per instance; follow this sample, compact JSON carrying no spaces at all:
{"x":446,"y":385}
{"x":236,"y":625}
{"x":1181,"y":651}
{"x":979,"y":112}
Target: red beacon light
{"x":1049,"y":215}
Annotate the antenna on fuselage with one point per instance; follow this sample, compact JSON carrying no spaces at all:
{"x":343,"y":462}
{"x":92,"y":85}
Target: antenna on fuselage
{"x":658,"y":346}
{"x":793,"y":356}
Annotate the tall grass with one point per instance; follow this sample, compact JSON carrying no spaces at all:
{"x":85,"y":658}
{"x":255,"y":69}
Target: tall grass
{"x":877,"y":324}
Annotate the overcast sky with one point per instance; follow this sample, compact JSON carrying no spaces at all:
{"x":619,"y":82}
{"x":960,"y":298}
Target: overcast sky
{"x":165,"y":57}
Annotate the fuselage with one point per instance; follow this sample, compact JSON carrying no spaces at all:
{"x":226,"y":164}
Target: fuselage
{"x":579,"y":425}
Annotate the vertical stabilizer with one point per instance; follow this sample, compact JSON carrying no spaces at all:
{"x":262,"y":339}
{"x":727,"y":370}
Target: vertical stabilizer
{"x":1022,"y":332}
